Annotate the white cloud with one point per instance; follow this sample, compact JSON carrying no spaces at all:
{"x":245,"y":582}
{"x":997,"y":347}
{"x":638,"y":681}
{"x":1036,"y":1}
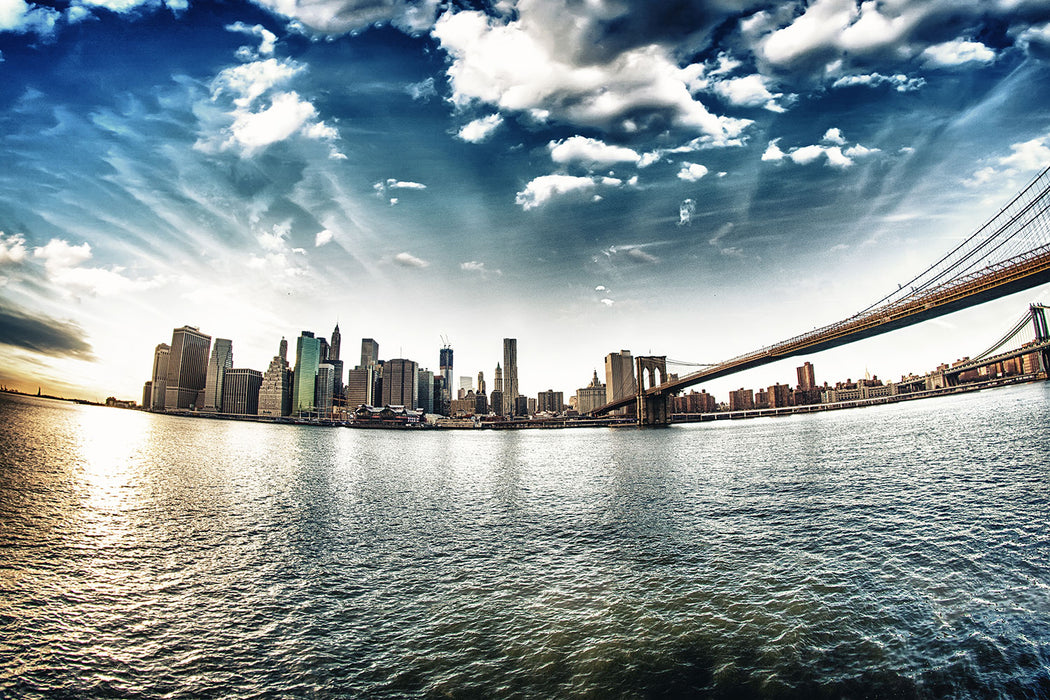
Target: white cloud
{"x":480,"y":129}
{"x":267,"y":39}
{"x":606,"y":301}
{"x":63,"y":264}
{"x":20,"y":17}
{"x":749,"y":91}
{"x":395,"y":184}
{"x":580,"y":149}
{"x":831,"y":151}
{"x":692,"y":172}
{"x":342,"y":16}
{"x":899,"y":82}
{"x":530,"y":66}
{"x":834,"y":135}
{"x":958,"y":52}
{"x":1035,"y":40}
{"x":639,"y":255}
{"x":601,"y":288}
{"x":12,"y":248}
{"x":409,"y":260}
{"x":546,"y":187}
{"x":1028,"y":155}
{"x":479,"y":268}
{"x":254,"y":123}
{"x":323,"y":238}
{"x":685,"y":212}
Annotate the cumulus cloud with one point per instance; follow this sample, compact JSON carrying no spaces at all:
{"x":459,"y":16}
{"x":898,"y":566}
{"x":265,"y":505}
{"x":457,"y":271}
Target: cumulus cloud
{"x":12,"y":249}
{"x":267,"y":39}
{"x":691,"y":172}
{"x":63,"y":263}
{"x":22,"y":18}
{"x":323,"y":238}
{"x":261,"y":112}
{"x":278,"y":257}
{"x":546,"y":187}
{"x":956,"y":53}
{"x":749,"y":91}
{"x":342,"y":16}
{"x":830,"y":151}
{"x":1035,"y":41}
{"x":534,"y":65}
{"x":480,"y":129}
{"x":591,"y":152}
{"x":899,"y":81}
{"x":478,"y":268}
{"x":409,"y":260}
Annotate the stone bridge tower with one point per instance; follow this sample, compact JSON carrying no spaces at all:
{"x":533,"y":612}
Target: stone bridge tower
{"x":652,"y":409}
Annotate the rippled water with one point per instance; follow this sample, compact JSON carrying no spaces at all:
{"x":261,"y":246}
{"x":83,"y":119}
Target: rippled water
{"x":893,"y":551}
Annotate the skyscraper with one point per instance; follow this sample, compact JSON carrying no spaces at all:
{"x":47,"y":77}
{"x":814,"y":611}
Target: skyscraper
{"x":510,"y":373}
{"x":323,"y":389}
{"x":337,"y":337}
{"x":496,"y":402}
{"x":275,"y":392}
{"x":240,"y":391}
{"x":806,"y":376}
{"x":221,"y":361}
{"x":160,"y":377}
{"x":481,"y":383}
{"x":446,"y":367}
{"x":591,"y":396}
{"x":369,"y":352}
{"x":187,"y":367}
{"x":307,"y":359}
{"x":359,"y":386}
{"x":401,"y":383}
{"x":619,"y":376}
{"x":426,"y":391}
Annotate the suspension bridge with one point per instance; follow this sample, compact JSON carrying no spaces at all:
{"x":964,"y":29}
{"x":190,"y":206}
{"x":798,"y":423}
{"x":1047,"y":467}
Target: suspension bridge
{"x":1009,"y":253}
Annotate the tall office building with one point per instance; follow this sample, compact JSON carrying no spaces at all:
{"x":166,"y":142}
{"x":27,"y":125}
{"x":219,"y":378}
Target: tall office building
{"x":550,"y":401}
{"x":147,"y":394}
{"x":806,"y":377}
{"x":240,"y":391}
{"x":221,"y":361}
{"x":446,"y":368}
{"x":337,"y":339}
{"x":510,"y":374}
{"x":160,"y":377}
{"x":426,"y":391}
{"x":401,"y":383}
{"x":591,"y":396}
{"x":359,"y":384}
{"x":324,"y":387}
{"x":369,"y":352}
{"x":304,"y":377}
{"x":275,"y":392}
{"x":496,"y":402}
{"x":619,"y":376}
{"x":187,"y":368}
{"x":481,"y":383}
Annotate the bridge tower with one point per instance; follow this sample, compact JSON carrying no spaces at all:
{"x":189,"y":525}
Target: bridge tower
{"x":1042,"y":334}
{"x":652,"y":409}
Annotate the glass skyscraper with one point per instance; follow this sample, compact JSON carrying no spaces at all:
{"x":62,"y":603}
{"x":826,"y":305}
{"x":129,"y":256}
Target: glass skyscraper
{"x":304,"y":377}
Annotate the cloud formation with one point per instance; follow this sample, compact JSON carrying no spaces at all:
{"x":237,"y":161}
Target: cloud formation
{"x":44,"y":335}
{"x":409,"y":260}
{"x":480,"y":129}
{"x":547,"y":187}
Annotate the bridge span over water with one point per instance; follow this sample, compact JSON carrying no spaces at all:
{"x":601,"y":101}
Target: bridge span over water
{"x":1009,"y":253}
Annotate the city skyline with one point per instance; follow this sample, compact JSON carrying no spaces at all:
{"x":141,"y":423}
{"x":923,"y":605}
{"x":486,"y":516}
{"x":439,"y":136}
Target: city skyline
{"x":695,"y":186}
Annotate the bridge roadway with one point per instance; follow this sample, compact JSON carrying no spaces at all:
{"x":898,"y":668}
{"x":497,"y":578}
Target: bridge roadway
{"x":1021,"y":272}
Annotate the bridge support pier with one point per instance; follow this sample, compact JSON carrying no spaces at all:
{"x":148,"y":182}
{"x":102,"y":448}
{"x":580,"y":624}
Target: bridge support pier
{"x":655,"y":408}
{"x":1042,"y":333}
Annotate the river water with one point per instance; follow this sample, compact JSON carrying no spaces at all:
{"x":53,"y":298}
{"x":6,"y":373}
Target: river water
{"x":892,"y":551}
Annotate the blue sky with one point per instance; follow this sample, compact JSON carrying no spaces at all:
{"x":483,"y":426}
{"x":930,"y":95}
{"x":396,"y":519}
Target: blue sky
{"x":693,"y":179}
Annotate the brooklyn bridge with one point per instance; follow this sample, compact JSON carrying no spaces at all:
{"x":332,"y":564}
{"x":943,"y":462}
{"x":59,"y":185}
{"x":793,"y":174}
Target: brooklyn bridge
{"x":1009,"y":253}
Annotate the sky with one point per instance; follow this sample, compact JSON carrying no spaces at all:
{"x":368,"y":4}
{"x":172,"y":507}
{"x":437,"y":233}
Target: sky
{"x":695,"y":179}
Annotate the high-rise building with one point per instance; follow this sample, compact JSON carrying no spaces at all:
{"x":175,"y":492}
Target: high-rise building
{"x":369,"y":352}
{"x":591,"y":396}
{"x":510,"y":374}
{"x":741,"y":400}
{"x":465,"y":384}
{"x":147,"y":394}
{"x":619,"y":376}
{"x":324,"y":387}
{"x":240,"y":391}
{"x":401,"y":383}
{"x":275,"y":392}
{"x":221,"y":361}
{"x":481,"y":384}
{"x":779,"y":395}
{"x":521,"y":406}
{"x":550,"y":401}
{"x":426,"y":391}
{"x":160,"y":377}
{"x":304,"y":377}
{"x":359,"y":383}
{"x":187,"y":368}
{"x":806,"y":377}
{"x":497,"y":406}
{"x":446,"y":372}
{"x":337,"y":340}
